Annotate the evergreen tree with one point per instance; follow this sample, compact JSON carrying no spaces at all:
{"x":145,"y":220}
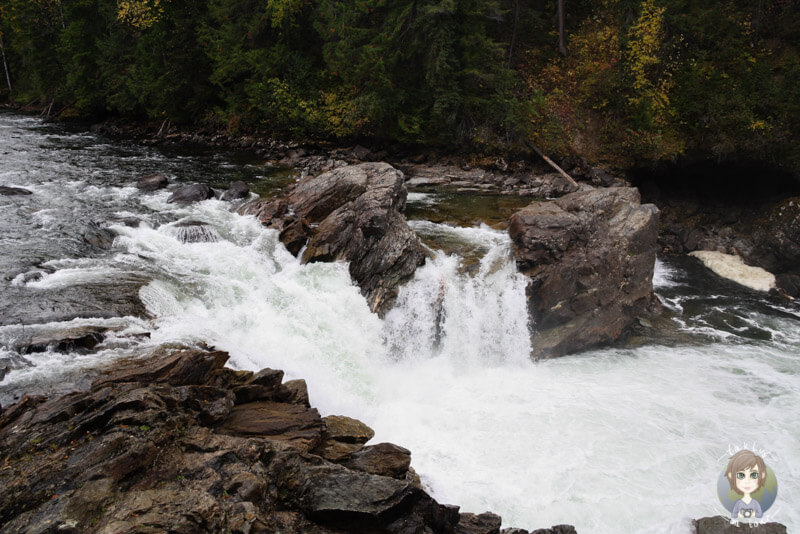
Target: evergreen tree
{"x":420,"y":70}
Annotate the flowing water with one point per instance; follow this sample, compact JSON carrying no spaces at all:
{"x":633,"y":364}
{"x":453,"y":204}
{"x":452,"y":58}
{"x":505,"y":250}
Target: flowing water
{"x":615,"y":440}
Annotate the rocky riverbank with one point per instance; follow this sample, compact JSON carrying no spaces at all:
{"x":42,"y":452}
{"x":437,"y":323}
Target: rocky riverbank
{"x":177,"y":442}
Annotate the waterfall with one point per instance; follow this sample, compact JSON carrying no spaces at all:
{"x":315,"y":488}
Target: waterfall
{"x":612,"y":440}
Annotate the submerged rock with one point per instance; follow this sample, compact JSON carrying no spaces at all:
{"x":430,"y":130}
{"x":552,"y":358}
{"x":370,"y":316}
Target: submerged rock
{"x":13,"y":191}
{"x":191,"y":193}
{"x":351,"y":213}
{"x":152,"y":182}
{"x":70,"y":339}
{"x":98,"y":236}
{"x":589,"y":257}
{"x":163,"y":444}
{"x":237,"y":191}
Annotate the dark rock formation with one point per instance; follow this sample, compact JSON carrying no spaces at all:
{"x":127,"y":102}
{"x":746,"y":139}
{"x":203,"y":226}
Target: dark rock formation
{"x":385,"y":459}
{"x":13,"y":191}
{"x":776,"y":238}
{"x":237,"y":191}
{"x":722,"y":525}
{"x":486,"y":523}
{"x":152,"y":182}
{"x":191,"y":193}
{"x":762,"y":228}
{"x":558,"y":529}
{"x":351,"y":213}
{"x":590,"y":257}
{"x":177,"y":442}
{"x":343,"y":437}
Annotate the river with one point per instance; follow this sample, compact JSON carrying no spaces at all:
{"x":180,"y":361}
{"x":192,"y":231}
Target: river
{"x":629,"y":439}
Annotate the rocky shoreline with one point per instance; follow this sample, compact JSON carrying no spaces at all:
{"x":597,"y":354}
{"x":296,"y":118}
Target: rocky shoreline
{"x":177,"y":442}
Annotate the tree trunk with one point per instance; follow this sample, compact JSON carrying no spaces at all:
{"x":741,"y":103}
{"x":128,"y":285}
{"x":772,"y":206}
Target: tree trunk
{"x":5,"y":63}
{"x":562,"y":38}
{"x":554,"y":165}
{"x":513,"y":33}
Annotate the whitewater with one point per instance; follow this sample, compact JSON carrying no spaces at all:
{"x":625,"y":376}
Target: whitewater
{"x":615,"y":440}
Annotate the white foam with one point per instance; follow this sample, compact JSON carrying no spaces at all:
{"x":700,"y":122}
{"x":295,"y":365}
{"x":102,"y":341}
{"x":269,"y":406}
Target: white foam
{"x":426,"y":199}
{"x":733,"y":267}
{"x":664,"y":275}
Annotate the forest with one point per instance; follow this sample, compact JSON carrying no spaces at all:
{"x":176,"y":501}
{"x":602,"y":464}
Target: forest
{"x":618,"y":82}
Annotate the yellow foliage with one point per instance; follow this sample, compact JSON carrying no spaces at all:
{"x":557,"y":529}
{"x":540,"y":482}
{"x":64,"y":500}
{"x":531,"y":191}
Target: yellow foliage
{"x":651,"y":78}
{"x":140,"y":14}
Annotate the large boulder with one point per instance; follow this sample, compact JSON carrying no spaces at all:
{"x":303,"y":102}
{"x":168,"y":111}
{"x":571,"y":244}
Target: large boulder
{"x":237,"y":191}
{"x":351,"y":213}
{"x":776,"y":238}
{"x":589,"y":257}
{"x":13,"y":191}
{"x":152,"y":182}
{"x":191,"y":193}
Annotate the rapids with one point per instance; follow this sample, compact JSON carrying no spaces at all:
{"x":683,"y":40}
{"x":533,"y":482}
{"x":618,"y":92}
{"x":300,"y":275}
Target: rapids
{"x":628,"y":439}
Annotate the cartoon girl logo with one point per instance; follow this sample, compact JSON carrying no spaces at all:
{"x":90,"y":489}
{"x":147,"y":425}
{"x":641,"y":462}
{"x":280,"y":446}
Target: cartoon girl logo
{"x":747,"y":487}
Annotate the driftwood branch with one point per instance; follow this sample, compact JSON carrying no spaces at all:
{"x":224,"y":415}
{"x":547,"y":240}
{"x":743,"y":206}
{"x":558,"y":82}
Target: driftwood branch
{"x":553,"y":164}
{"x":5,"y":63}
{"x":166,"y":123}
{"x":562,"y":35}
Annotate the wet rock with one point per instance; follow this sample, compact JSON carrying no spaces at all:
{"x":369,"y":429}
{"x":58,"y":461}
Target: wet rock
{"x":789,"y":284}
{"x":98,"y":237}
{"x":237,"y":191}
{"x":589,"y":257}
{"x":558,"y":529}
{"x":101,"y":299}
{"x":191,"y":193}
{"x":485,"y":523}
{"x":351,"y":213}
{"x":347,"y":430}
{"x":294,"y":392}
{"x":335,"y":496}
{"x":13,"y":191}
{"x":73,"y":339}
{"x":722,"y":525}
{"x":291,"y":423}
{"x":384,"y":459}
{"x":152,"y":182}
